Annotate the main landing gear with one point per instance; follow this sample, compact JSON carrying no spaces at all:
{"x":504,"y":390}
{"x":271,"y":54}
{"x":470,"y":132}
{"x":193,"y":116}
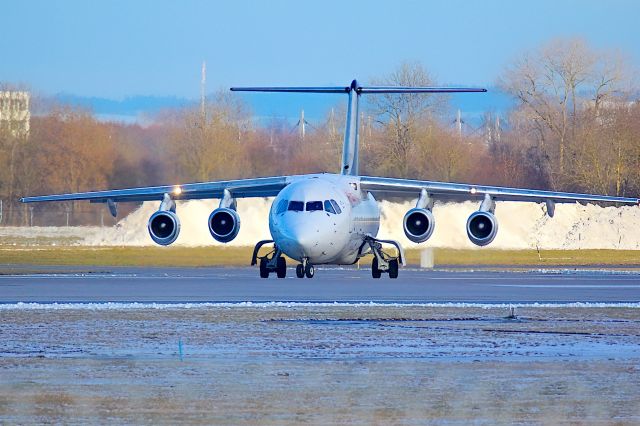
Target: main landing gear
{"x":305,"y":269}
{"x":271,"y":262}
{"x":383,"y":261}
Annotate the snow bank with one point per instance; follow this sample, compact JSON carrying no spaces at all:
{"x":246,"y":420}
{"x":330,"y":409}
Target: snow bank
{"x":521,"y":226}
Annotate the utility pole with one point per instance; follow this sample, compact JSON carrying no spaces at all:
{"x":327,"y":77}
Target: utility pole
{"x":362,"y":129}
{"x":302,"y":124}
{"x":332,"y":124}
{"x":203,"y":82}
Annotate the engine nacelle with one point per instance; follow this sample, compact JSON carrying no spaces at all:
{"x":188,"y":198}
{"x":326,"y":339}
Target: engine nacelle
{"x":224,"y":224}
{"x":418,"y":224}
{"x":482,"y":227}
{"x":164,"y":227}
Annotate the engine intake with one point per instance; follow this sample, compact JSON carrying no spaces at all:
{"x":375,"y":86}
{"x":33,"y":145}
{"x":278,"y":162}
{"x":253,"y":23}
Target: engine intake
{"x":418,"y":224}
{"x":164,"y":227}
{"x":224,"y":224}
{"x":482,"y":227}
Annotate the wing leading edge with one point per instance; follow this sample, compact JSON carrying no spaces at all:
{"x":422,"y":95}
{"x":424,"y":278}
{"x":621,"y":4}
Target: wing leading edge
{"x":241,"y":188}
{"x":393,"y":187}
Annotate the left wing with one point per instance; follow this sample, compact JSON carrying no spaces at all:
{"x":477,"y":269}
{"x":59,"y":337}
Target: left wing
{"x":241,"y":188}
{"x":393,"y":187}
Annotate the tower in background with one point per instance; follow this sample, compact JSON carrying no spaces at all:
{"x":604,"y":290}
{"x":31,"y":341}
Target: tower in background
{"x":14,"y":112}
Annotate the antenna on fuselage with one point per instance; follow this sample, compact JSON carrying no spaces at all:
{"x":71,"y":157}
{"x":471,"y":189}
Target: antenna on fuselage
{"x":349,"y":164}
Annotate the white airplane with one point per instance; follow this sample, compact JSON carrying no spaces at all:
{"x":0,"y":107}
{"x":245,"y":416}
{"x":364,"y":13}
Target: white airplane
{"x":327,"y":218}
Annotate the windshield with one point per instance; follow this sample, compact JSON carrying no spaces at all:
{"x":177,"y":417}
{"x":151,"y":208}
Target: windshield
{"x":296,"y":206}
{"x":314,"y":205}
{"x":335,"y":205}
{"x":328,"y":207}
{"x":282,"y":206}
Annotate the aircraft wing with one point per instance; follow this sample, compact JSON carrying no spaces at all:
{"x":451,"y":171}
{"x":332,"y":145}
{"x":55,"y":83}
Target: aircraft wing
{"x":241,"y":188}
{"x":383,"y":187}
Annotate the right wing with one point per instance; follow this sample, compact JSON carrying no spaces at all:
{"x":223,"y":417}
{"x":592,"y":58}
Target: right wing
{"x":240,"y":188}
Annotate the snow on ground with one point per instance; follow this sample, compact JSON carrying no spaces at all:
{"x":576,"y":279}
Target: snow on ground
{"x":521,"y":226}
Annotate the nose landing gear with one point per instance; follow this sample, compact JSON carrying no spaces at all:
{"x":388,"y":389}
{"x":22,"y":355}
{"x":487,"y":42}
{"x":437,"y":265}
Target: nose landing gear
{"x":305,"y":269}
{"x":268,"y":264}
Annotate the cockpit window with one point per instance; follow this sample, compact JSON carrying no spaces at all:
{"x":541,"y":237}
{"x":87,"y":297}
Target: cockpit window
{"x":328,"y":207}
{"x":314,"y":205}
{"x":296,"y":206}
{"x":336,"y":206}
{"x":282,"y":206}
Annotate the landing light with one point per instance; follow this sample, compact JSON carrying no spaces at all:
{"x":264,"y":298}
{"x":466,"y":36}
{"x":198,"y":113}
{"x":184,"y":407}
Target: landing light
{"x":177,"y":190}
{"x":473,"y":190}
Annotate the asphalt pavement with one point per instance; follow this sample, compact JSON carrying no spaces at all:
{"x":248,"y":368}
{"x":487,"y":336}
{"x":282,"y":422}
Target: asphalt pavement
{"x":329,"y":285}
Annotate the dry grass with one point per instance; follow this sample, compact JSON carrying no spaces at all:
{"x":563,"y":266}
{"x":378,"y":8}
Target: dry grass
{"x":240,"y":256}
{"x":530,"y":257}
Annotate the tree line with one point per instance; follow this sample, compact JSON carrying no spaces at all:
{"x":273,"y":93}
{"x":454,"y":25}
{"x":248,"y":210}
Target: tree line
{"x":574,"y":126}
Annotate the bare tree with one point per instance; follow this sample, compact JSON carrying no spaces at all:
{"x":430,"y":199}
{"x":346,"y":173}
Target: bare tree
{"x":209,"y":146}
{"x":399,"y":114}
{"x":554,"y":85}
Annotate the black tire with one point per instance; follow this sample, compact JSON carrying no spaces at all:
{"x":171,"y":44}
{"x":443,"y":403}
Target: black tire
{"x":309,"y":270}
{"x":282,"y":267}
{"x":299,"y":270}
{"x":375,"y":271}
{"x":393,"y":268}
{"x":264,"y":271}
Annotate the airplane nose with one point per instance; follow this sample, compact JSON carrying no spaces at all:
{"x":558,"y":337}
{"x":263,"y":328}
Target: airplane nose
{"x":299,"y":240}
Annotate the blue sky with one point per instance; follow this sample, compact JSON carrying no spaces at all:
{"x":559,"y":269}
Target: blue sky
{"x":118,"y":48}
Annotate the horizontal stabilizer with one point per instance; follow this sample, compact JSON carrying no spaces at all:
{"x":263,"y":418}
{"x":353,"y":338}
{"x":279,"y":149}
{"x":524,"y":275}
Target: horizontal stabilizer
{"x":361,"y":89}
{"x":401,"y":89}
{"x":343,"y":89}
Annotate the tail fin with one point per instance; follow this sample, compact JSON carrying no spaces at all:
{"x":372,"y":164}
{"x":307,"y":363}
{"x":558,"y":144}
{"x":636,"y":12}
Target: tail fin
{"x":350,"y":147}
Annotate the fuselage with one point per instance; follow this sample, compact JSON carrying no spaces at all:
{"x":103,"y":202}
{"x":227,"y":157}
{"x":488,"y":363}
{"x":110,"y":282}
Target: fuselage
{"x":324,"y":218}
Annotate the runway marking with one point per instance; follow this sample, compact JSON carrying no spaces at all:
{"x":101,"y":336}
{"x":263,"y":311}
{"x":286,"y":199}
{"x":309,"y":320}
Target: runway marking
{"x":271,"y":305}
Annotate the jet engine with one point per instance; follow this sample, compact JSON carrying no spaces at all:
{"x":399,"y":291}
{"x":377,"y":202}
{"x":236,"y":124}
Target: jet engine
{"x":224,"y":224}
{"x":419,"y":224}
{"x":164,"y":227}
{"x":482,"y":227}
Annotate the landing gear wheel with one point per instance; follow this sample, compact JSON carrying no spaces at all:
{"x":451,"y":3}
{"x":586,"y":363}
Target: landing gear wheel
{"x":282,"y":267}
{"x":300,"y":271}
{"x":309,"y":270}
{"x":264,"y":270}
{"x":375,"y":271}
{"x":393,"y":268}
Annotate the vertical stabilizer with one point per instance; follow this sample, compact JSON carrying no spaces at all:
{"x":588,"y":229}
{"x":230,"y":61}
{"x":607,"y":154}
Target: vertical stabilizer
{"x":350,"y":146}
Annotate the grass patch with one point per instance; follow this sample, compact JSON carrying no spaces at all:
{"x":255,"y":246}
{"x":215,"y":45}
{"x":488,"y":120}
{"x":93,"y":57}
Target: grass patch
{"x":240,"y":256}
{"x":127,"y":256}
{"x":529,"y":257}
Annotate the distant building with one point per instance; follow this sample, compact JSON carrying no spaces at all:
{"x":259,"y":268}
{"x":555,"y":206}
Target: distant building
{"x":14,"y":112}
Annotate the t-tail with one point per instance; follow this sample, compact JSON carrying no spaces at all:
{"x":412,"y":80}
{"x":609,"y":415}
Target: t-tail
{"x":349,"y":164}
